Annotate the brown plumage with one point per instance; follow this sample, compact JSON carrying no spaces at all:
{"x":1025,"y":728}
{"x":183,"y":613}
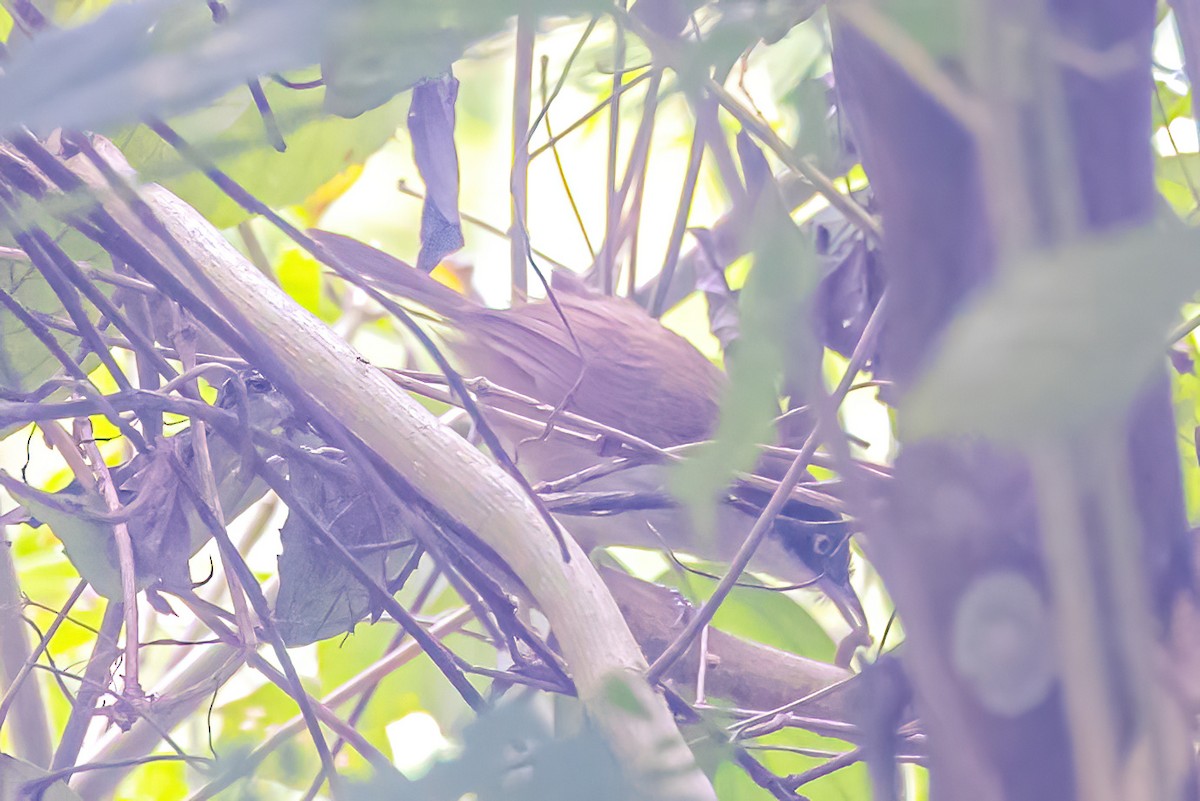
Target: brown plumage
{"x":638,"y":377}
{"x":528,"y":349}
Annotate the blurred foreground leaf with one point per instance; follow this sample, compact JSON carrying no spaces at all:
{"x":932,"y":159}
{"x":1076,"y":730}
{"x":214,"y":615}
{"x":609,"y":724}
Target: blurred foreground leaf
{"x":513,"y":754}
{"x":165,"y":57}
{"x":156,"y":57}
{"x":1061,"y":341}
{"x":776,"y":341}
{"x":18,"y":779}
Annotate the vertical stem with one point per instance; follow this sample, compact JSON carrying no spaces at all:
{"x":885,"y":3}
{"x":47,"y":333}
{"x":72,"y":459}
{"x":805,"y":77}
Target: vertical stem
{"x":95,"y":681}
{"x":30,"y":732}
{"x":558,"y":162}
{"x":635,"y":176}
{"x":1082,"y":657}
{"x":185,"y":345}
{"x":708,"y":128}
{"x":612,"y":210}
{"x":1133,"y":622}
{"x":679,"y":227}
{"x":519,"y":179}
{"x":124,"y":545}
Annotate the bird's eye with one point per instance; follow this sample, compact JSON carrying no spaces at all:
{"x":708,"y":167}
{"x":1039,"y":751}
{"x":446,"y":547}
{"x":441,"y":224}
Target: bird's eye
{"x":256,"y":383}
{"x":822,"y":544}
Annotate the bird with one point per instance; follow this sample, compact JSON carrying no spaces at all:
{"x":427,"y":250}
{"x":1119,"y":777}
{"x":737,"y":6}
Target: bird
{"x":621,"y":368}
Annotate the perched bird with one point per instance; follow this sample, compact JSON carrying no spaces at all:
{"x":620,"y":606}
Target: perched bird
{"x":636,"y":376}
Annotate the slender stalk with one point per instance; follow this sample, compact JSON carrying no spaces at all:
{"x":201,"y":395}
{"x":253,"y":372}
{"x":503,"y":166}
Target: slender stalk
{"x":29,"y":732}
{"x":612,"y":208}
{"x":519,"y":177}
{"x":96,"y":679}
{"x":1081,"y":638}
{"x":679,"y":226}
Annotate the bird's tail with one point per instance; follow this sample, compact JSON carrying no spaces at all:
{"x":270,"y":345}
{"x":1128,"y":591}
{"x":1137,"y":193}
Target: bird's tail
{"x":392,"y":275}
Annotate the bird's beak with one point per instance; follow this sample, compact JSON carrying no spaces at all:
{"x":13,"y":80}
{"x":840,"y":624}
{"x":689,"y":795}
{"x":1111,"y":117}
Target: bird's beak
{"x":848,"y":604}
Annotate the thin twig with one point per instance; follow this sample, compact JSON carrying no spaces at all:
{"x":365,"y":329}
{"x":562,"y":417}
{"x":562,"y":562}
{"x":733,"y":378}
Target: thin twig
{"x":741,"y":560}
{"x":262,"y":608}
{"x":360,"y":705}
{"x":679,"y":226}
{"x":843,"y":203}
{"x":578,"y":429}
{"x":442,"y":657}
{"x":48,"y":266}
{"x":365,"y":680}
{"x":827,"y":767}
{"x":592,"y":112}
{"x":202,"y":461}
{"x":43,"y":335}
{"x":268,"y":360}
{"x":558,"y":163}
{"x":751,"y":726}
{"x":60,"y":615}
{"x":484,"y":225}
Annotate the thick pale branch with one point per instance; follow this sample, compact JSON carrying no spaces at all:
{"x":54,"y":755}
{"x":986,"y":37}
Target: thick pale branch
{"x":586,"y":621}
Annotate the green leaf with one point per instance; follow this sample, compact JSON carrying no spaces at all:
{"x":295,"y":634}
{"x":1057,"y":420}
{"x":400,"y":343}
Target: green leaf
{"x":164,"y":528}
{"x":15,"y":776}
{"x":164,"y":57}
{"x":1062,"y":340}
{"x":510,"y":753}
{"x":231,"y":132}
{"x":732,"y":783}
{"x":299,"y":275}
{"x":1178,"y":179}
{"x":1187,"y":415}
{"x":72,"y":515}
{"x":366,"y":69}
{"x":156,"y":57}
{"x":318,"y":595}
{"x":764,"y":616}
{"x":162,"y":781}
{"x":940,"y":26}
{"x":618,"y":692}
{"x":1169,"y":105}
{"x":774,"y":619}
{"x":25,"y":363}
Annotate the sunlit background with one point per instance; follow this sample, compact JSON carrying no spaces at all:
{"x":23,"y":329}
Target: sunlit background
{"x":375,"y":202}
